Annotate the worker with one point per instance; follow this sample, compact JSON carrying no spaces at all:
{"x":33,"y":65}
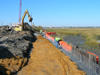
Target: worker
{"x":57,"y":40}
{"x":41,"y":31}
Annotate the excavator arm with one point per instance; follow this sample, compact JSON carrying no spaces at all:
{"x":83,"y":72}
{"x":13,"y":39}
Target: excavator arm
{"x":30,"y":19}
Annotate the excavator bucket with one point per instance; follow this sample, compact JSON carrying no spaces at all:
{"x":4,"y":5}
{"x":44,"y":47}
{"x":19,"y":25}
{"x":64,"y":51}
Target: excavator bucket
{"x":30,"y":19}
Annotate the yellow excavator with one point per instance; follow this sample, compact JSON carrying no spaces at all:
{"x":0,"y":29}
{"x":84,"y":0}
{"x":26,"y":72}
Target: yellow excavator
{"x":22,"y":27}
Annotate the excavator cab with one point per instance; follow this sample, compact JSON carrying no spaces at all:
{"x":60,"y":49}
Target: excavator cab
{"x":22,"y":27}
{"x":18,"y":28}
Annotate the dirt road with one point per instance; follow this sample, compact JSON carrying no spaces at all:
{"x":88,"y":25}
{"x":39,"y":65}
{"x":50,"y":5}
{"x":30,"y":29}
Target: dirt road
{"x":46,"y":59}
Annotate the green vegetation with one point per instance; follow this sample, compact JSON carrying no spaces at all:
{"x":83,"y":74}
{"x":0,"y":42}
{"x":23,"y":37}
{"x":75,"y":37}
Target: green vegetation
{"x":37,"y":28}
{"x":58,"y":35}
{"x":90,"y":34}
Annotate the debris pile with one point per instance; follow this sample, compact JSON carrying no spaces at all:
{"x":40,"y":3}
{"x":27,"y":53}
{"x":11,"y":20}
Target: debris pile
{"x":15,"y":44}
{"x":14,"y":51}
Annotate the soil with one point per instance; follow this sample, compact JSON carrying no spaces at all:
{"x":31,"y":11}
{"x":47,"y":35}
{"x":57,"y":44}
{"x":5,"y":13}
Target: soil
{"x":22,"y":53}
{"x":14,"y":51}
{"x":46,"y":59}
{"x":10,"y":66}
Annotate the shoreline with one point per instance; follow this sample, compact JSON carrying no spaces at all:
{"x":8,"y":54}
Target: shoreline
{"x":81,"y":39}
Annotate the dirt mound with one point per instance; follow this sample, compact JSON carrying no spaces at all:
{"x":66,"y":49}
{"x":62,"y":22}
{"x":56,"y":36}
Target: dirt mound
{"x":27,"y":26}
{"x":46,"y":59}
{"x":14,"y":51}
{"x":10,"y":66}
{"x":15,"y":45}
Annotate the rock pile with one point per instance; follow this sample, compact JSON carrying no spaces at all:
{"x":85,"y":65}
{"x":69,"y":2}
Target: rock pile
{"x":16,"y":45}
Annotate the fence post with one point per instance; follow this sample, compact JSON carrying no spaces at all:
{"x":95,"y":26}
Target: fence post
{"x":89,"y":60}
{"x":80,"y":57}
{"x":97,"y":60}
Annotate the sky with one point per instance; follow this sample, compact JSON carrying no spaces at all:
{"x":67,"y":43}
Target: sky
{"x":56,"y":13}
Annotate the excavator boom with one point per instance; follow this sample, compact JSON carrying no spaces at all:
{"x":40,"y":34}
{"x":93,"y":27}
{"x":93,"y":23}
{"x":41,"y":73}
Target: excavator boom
{"x":29,"y":17}
{"x":22,"y":27}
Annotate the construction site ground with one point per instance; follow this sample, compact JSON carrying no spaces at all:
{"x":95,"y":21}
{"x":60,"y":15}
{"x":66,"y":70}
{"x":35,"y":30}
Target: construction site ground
{"x":23,"y":53}
{"x":14,"y":51}
{"x":46,"y":59}
{"x":80,"y":64}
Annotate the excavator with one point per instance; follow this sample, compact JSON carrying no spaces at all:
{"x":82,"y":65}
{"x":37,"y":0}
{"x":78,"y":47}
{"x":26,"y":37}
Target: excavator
{"x":22,"y":27}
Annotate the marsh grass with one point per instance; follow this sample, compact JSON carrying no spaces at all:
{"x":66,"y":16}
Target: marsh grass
{"x":62,"y":36}
{"x":90,"y":34}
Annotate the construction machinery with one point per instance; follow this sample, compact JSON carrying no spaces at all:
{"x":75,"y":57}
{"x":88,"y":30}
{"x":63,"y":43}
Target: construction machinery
{"x":22,"y":27}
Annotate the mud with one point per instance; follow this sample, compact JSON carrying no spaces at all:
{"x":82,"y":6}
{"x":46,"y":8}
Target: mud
{"x":75,"y":40}
{"x":78,"y":41}
{"x":46,"y":59}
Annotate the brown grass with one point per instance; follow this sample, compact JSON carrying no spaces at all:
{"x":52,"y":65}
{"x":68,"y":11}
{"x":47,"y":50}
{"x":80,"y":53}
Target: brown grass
{"x":90,"y":34}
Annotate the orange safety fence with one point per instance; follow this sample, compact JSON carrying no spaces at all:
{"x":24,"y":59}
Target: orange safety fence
{"x":65,"y":46}
{"x":51,"y":33}
{"x":68,"y":48}
{"x":97,"y":58}
{"x":45,"y":31}
{"x":52,"y":38}
{"x":49,"y":37}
